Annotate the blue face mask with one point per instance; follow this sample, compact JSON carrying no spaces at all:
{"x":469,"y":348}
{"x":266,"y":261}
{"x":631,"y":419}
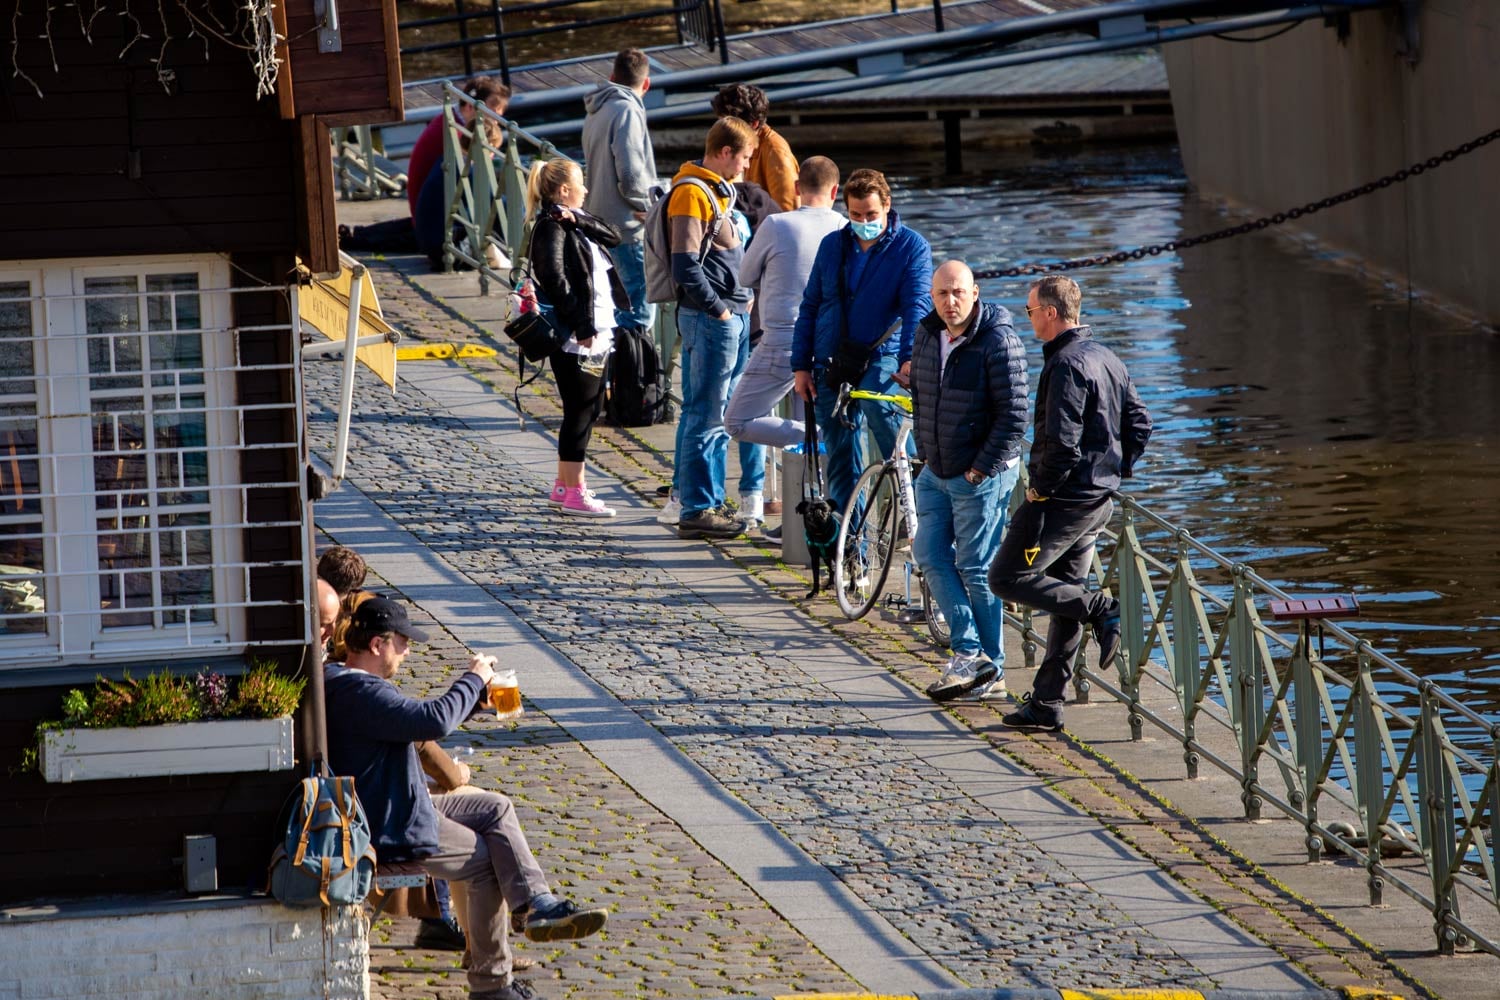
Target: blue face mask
{"x":867,"y":230}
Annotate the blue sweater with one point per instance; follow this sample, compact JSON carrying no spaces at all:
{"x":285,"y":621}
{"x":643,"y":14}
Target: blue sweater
{"x":372,"y":732}
{"x":895,"y":283}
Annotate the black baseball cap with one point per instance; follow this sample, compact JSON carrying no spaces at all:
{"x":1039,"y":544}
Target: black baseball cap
{"x":381,"y":614}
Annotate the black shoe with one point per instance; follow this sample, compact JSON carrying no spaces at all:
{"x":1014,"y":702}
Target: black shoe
{"x":516,"y":989}
{"x":772,"y":534}
{"x":1032,"y":716}
{"x":440,"y":935}
{"x":562,"y":921}
{"x":1107,"y":634}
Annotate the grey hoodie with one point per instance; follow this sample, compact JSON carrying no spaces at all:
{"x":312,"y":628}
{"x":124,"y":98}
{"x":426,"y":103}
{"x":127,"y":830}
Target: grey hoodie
{"x":620,"y":162}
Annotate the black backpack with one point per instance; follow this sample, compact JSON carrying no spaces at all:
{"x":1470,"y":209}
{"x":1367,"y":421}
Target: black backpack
{"x":637,"y":384}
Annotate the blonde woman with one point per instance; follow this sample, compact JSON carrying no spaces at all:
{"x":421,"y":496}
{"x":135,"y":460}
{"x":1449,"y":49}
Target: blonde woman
{"x":574,"y":274}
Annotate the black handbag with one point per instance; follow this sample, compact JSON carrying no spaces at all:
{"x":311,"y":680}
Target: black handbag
{"x":534,"y":335}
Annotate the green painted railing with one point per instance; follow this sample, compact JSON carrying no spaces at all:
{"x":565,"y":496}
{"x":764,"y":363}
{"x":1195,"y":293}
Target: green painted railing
{"x":362,"y":172}
{"x":1310,"y":720}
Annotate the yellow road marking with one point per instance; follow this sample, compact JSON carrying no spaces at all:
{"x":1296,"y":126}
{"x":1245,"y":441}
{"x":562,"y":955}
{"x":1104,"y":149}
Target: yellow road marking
{"x":441,"y":352}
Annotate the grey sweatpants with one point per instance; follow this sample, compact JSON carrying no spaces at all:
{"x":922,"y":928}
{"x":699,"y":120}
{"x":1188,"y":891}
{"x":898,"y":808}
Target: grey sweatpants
{"x":480,"y":844}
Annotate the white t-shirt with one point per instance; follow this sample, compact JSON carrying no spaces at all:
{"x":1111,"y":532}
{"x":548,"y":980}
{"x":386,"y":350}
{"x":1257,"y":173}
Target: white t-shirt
{"x":604,"y":308}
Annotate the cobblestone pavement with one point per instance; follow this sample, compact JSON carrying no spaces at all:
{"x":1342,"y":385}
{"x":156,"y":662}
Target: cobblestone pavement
{"x":942,"y":865}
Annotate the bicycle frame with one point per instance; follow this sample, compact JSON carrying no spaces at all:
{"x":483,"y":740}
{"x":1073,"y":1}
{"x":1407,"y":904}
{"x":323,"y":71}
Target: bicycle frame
{"x":898,"y":464}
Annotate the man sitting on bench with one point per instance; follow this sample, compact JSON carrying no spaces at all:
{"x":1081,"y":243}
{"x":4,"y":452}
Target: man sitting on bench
{"x":475,"y":839}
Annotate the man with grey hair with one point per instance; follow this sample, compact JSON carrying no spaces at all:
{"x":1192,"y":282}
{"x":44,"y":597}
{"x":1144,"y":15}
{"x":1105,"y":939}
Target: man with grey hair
{"x":968,"y":392}
{"x":621,"y":172}
{"x":1089,"y":429}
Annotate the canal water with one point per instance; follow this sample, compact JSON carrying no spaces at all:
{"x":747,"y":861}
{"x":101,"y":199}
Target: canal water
{"x":1310,"y":420}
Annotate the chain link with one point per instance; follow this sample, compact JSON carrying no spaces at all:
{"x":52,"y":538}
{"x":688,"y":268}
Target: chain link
{"x":1172,"y":246}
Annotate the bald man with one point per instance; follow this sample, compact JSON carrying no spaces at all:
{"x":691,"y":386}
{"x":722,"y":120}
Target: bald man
{"x":328,"y":610}
{"x":968,"y":389}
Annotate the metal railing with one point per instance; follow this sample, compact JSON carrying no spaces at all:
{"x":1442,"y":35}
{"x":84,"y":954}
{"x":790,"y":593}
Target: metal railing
{"x":1371,"y":760}
{"x":698,"y":21}
{"x":362,"y":173}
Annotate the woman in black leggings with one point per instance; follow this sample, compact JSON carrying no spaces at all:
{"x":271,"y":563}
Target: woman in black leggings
{"x":575,"y":274}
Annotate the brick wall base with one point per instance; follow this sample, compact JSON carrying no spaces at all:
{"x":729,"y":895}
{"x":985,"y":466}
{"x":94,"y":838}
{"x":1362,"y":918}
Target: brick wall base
{"x":226,"y":949}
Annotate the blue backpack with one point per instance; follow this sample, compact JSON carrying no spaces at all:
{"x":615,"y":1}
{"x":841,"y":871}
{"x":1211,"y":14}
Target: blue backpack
{"x":326,"y":858}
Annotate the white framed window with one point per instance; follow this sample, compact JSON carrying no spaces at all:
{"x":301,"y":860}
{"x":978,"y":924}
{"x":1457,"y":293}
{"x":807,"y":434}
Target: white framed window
{"x":121,"y":512}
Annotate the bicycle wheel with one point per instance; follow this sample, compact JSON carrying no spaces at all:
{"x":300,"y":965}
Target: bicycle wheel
{"x":937,"y":625}
{"x":867,"y":538}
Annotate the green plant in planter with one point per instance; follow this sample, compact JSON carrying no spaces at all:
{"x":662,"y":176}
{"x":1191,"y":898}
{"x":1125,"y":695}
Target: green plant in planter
{"x":265,"y":694}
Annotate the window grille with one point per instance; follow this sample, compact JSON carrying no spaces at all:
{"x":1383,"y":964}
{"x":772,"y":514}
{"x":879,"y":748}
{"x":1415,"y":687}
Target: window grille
{"x":123,"y":513}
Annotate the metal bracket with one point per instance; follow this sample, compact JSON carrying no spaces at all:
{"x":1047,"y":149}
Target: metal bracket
{"x":330,"y":34}
{"x":1130,"y":24}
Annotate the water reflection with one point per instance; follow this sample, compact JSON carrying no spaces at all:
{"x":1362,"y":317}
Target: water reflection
{"x":1309,"y":420}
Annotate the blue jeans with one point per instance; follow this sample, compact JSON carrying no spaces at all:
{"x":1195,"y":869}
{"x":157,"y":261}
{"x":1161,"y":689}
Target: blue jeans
{"x":845,"y":446}
{"x":959,"y":528}
{"x":714,"y":352}
{"x":630,"y":262}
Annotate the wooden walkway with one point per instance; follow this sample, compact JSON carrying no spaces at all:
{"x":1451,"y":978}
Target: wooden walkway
{"x":749,"y":48}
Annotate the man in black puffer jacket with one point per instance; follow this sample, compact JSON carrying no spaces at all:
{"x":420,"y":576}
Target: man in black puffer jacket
{"x":968,"y":387}
{"x":1091,"y":427}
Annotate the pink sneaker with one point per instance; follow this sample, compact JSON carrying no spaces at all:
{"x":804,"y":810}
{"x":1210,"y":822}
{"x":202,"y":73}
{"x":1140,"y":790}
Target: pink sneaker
{"x":559,"y":493}
{"x":581,"y":502}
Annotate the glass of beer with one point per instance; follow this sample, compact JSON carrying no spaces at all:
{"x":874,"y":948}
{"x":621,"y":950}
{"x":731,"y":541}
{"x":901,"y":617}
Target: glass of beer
{"x":505,"y":694}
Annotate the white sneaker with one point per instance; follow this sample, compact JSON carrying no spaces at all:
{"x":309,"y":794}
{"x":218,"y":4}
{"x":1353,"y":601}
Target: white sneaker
{"x":753,"y":508}
{"x":671,"y":513}
{"x":993,"y":691}
{"x":965,"y":672}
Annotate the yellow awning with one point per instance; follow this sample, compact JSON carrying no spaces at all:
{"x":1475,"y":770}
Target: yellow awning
{"x":324,"y":306}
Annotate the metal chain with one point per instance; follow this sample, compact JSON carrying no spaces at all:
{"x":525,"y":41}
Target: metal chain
{"x":1172,"y":246}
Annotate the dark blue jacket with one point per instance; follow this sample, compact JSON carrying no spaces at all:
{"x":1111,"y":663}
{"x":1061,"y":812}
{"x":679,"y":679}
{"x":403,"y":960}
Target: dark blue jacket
{"x":972,"y":414}
{"x":373,"y":730}
{"x":896,"y":284}
{"x":1090,"y":424}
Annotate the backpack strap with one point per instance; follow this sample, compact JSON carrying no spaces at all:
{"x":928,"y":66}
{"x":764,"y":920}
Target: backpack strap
{"x":715,"y":227}
{"x":309,"y":808}
{"x":343,"y":795}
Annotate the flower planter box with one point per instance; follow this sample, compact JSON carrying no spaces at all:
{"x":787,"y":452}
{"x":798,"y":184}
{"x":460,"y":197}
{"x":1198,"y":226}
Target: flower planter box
{"x":215,"y":747}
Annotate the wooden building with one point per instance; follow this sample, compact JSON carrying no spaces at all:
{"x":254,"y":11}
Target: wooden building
{"x":154,"y":510}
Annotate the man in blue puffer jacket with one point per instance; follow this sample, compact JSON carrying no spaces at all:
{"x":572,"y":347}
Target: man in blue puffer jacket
{"x":870,"y":278}
{"x":968,"y":390}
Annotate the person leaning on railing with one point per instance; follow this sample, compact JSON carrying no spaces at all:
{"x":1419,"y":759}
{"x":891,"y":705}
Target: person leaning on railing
{"x":400,"y":235}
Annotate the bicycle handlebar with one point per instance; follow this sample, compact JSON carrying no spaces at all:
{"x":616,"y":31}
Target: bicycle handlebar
{"x":902,"y":401}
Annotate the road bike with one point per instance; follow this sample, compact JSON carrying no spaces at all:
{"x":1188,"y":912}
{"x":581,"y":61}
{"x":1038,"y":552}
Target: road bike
{"x":880,"y":520}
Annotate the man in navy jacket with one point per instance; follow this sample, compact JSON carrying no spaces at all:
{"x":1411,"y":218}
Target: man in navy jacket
{"x":474,"y":838}
{"x":968,"y":390}
{"x":1089,"y":430}
{"x":870,"y":278}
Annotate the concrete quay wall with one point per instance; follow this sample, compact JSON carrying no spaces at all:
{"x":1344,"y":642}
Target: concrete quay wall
{"x":1309,"y":114}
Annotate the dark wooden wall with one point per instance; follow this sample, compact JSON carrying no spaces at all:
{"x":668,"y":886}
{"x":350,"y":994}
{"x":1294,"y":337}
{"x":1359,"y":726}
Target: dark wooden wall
{"x":108,"y":162}
{"x":125,"y":835}
{"x":359,"y":84}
